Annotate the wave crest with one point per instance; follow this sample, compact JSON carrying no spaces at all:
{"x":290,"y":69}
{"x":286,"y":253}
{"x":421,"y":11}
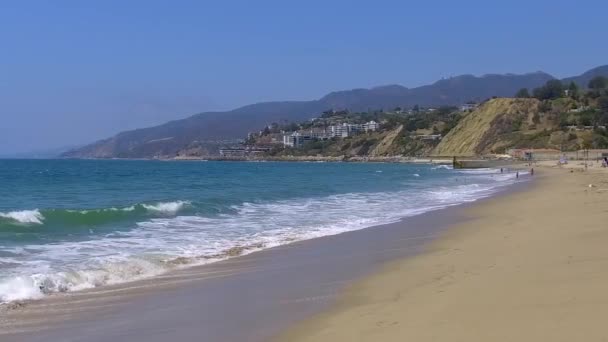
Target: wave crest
{"x":89,"y":217}
{"x":167,"y":207}
{"x":24,"y":216}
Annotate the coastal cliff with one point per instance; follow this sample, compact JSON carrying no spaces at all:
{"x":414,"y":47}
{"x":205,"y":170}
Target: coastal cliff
{"x":488,"y":128}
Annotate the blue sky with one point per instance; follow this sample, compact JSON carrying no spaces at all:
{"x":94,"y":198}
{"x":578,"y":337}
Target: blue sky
{"x":75,"y":71}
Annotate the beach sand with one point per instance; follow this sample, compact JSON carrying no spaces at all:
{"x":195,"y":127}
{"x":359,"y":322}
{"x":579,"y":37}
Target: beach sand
{"x":528,"y":266}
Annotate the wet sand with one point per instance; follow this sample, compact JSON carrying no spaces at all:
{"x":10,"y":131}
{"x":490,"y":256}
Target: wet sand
{"x":248,"y":298}
{"x":528,"y":266}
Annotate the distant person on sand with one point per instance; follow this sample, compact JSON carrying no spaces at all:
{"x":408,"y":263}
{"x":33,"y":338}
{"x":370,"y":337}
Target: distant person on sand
{"x":517,"y":174}
{"x":605,"y":162}
{"x":501,"y":170}
{"x":532,"y":172}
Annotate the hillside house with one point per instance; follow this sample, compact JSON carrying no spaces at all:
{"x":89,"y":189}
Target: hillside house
{"x":468,"y":106}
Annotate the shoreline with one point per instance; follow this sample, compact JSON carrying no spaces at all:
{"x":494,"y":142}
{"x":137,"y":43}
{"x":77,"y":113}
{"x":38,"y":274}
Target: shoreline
{"x":365,"y":249}
{"x":527,"y":266}
{"x":329,"y":159}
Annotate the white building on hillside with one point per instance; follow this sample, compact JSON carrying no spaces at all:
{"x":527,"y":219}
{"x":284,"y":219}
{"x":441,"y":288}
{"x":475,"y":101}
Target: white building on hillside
{"x":371,"y":126}
{"x":468,"y":106}
{"x":296,"y":139}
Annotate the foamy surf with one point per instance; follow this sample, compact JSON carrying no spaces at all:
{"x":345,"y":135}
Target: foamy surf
{"x":159,"y":245}
{"x":442,"y":167}
{"x":126,"y":235}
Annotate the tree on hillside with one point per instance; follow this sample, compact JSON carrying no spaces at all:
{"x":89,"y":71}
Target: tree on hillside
{"x":573,"y":91}
{"x":553,"y":89}
{"x":597,"y":83}
{"x":602,"y":103}
{"x":328,"y":113}
{"x":523,"y":93}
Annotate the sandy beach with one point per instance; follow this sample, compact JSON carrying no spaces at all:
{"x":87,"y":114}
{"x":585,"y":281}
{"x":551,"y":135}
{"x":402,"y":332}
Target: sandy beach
{"x":528,"y":266}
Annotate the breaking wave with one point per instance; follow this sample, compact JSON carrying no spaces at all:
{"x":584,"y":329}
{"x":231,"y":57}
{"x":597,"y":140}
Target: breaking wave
{"x":89,"y":217}
{"x":23,"y":216}
{"x":166,"y":207}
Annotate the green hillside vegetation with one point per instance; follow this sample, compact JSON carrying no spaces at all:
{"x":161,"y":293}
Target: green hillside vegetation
{"x":398,"y":134}
{"x":557,"y":116}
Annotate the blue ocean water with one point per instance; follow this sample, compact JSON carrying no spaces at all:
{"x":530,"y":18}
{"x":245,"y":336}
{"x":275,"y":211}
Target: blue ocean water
{"x":67,"y":225}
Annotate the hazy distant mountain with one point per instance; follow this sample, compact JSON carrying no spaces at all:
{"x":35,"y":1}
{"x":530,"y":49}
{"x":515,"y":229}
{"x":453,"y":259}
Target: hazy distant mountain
{"x":40,"y":154}
{"x":584,"y":79}
{"x":451,"y":91}
{"x":167,"y":139}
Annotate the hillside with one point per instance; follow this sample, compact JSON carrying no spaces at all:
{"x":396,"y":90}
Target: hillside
{"x":583,"y":79}
{"x":563,"y":123}
{"x":208,"y":130}
{"x":560,"y":117}
{"x":485,"y":130}
{"x":389,"y":142}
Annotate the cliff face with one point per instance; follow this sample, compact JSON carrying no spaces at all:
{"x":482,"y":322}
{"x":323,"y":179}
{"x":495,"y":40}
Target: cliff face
{"x":490,"y":128}
{"x":383,"y":147}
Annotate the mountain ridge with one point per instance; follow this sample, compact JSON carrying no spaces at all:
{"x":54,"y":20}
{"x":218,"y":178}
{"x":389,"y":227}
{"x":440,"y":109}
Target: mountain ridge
{"x":210,"y":128}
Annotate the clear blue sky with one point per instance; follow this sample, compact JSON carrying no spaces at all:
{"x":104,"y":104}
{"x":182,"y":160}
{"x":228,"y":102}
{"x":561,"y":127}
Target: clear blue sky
{"x":75,"y":71}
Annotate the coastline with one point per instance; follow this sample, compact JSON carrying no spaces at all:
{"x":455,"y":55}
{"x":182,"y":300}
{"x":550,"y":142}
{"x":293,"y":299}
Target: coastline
{"x":528,"y":266}
{"x":310,"y":158}
{"x":310,"y":276}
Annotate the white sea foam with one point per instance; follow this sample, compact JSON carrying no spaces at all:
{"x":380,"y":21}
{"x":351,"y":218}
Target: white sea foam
{"x":162,"y":244}
{"x":24,"y":216}
{"x":19,"y":288}
{"x":87,"y":211}
{"x":445,"y":167}
{"x":167,"y":207}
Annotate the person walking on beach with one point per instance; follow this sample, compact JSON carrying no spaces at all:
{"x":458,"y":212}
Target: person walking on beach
{"x":532,"y":172}
{"x":517,"y":174}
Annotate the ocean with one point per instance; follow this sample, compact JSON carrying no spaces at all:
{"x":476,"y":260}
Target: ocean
{"x":68,"y":225}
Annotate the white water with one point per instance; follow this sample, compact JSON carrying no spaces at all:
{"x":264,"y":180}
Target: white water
{"x":24,"y":216}
{"x":154,"y":245}
{"x":167,"y":207}
{"x":34,"y":216}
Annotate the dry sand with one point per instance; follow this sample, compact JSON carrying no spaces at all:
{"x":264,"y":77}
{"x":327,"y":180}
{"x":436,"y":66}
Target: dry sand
{"x":528,"y":266}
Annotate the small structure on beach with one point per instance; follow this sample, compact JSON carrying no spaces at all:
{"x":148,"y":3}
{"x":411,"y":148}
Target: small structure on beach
{"x":534,"y":153}
{"x":552,"y":154}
